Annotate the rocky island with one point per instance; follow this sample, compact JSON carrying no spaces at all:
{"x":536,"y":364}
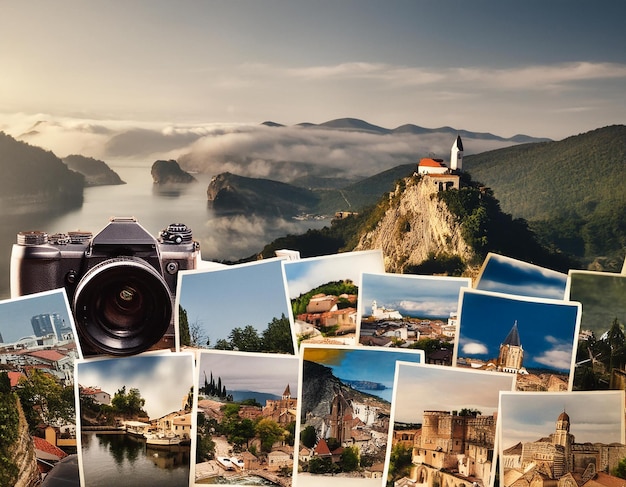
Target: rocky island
{"x":169,"y":172}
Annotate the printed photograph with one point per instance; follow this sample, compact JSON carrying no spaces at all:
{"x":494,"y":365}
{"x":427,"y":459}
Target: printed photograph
{"x":324,"y":294}
{"x":532,"y":338}
{"x":444,"y":426}
{"x":601,"y":352}
{"x":571,"y":439}
{"x":246,"y":407}
{"x":343,"y":416}
{"x":37,"y":355}
{"x":136,"y":421}
{"x":241,"y":307}
{"x":507,"y":275}
{"x":410,"y":311}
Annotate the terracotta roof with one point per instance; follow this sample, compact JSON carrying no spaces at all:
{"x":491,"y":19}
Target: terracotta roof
{"x":14,"y":377}
{"x":429,"y":162}
{"x":322,"y":448}
{"x":51,"y":355}
{"x":47,"y":447}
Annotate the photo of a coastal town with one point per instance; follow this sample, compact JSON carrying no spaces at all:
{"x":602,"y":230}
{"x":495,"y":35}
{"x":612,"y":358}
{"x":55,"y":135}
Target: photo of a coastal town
{"x":324,"y":295}
{"x":410,"y":311}
{"x":136,"y":422}
{"x":246,"y":408}
{"x":343,"y":415}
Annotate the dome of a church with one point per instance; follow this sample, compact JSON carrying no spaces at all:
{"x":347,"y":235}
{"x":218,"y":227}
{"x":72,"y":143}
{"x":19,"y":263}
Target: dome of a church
{"x":563,"y":417}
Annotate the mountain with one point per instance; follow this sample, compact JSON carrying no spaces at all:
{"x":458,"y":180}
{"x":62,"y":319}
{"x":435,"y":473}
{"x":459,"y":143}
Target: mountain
{"x":423,"y":230}
{"x":571,"y":191}
{"x":229,"y":193}
{"x":33,"y":176}
{"x":96,"y":172}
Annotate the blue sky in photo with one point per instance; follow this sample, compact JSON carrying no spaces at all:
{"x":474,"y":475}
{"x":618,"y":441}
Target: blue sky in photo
{"x":234,"y":296}
{"x":410,"y":295}
{"x":547,"y":329}
{"x":306,"y":274}
{"x":506,"y":275}
{"x":362,"y":363}
{"x":15,"y":314}
{"x":545,"y":68}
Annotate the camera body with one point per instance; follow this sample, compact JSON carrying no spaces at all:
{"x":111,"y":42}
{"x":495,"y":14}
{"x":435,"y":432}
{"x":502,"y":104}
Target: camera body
{"x":121,"y":283}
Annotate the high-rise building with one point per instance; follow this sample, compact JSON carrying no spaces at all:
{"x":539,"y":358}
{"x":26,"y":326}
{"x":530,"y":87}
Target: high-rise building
{"x":47,"y":324}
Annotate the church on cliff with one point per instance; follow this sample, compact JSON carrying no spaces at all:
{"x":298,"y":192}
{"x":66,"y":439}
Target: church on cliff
{"x":444,"y":176}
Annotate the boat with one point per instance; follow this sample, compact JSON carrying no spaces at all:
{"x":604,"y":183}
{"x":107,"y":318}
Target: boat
{"x":225,"y":463}
{"x":136,"y":428}
{"x":162,"y":439}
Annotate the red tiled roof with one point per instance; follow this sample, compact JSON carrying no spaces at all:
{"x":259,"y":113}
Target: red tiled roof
{"x":14,"y":377}
{"x":322,"y":448}
{"x":47,"y":447}
{"x":51,"y":355}
{"x":429,"y":162}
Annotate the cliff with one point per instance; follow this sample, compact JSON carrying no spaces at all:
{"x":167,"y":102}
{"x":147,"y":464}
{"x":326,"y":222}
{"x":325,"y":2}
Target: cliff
{"x":169,"y":172}
{"x":96,"y":172}
{"x":229,"y":193}
{"x":416,"y":226}
{"x":319,"y":388}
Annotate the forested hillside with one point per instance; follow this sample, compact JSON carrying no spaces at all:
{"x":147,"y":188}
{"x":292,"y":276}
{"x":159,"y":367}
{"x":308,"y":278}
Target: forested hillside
{"x":571,"y":192}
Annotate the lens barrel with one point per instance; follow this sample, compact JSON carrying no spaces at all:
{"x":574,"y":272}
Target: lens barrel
{"x":122,"y":306}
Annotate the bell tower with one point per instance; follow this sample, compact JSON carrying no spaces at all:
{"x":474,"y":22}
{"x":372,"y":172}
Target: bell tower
{"x":456,"y":155}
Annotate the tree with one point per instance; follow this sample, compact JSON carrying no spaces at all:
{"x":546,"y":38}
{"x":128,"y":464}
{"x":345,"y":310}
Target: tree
{"x":349,"y":461}
{"x":245,"y":339}
{"x":399,"y":461}
{"x":620,"y":469}
{"x":269,"y":432}
{"x":129,"y":404}
{"x":277,"y":337}
{"x":44,"y":400}
{"x":308,"y":436}
{"x":183,"y":327}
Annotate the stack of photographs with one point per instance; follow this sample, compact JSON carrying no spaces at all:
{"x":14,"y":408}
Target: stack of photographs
{"x":330,"y":371}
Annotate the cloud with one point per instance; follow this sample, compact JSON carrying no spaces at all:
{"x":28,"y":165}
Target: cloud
{"x":474,"y":348}
{"x":558,"y":357}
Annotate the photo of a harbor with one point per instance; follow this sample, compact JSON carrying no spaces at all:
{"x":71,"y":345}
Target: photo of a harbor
{"x":129,"y":430}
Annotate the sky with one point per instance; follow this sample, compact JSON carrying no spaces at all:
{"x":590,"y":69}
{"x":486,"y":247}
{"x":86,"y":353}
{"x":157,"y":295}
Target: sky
{"x":266,"y":373}
{"x":547,"y":328}
{"x":411,"y":295}
{"x":419,"y":388}
{"x":151,"y":374}
{"x":595,"y":416}
{"x":362,"y":363}
{"x":234,"y":296}
{"x":506,"y":275}
{"x":306,"y":274}
{"x":550,"y":69}
{"x":15,"y":314}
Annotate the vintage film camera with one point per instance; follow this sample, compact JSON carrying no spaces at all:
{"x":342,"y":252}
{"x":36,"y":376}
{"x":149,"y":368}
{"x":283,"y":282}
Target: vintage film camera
{"x":120,"y":283}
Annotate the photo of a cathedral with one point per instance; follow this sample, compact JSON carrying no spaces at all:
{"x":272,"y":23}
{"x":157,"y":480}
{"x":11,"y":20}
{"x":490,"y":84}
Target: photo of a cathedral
{"x":532,"y":338}
{"x":444,"y":433}
{"x":571,"y":440}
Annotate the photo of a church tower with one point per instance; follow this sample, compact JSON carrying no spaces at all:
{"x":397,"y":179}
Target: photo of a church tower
{"x":531,"y":338}
{"x":557,"y":459}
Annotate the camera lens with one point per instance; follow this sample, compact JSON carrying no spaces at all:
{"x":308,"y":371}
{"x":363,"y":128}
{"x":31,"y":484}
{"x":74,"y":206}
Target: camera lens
{"x":122,"y":307}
